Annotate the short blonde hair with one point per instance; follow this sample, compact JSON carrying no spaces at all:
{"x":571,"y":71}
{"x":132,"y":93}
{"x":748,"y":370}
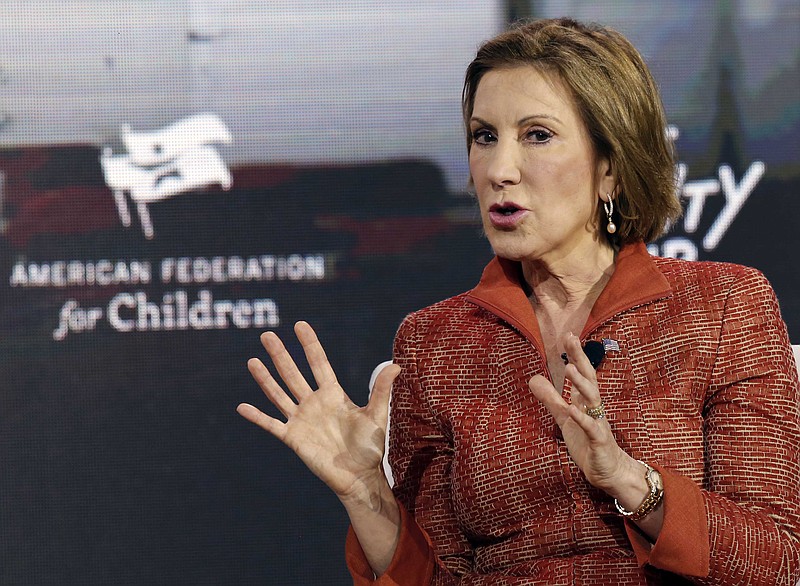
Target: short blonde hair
{"x":618,"y":101}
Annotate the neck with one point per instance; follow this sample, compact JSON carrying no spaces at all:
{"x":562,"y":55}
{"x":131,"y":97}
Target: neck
{"x":570,"y":281}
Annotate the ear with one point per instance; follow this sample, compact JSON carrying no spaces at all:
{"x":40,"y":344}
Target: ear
{"x":606,"y":180}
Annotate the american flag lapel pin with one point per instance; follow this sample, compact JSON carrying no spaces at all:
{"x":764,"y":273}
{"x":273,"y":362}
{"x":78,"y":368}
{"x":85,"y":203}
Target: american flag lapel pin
{"x":610,"y":345}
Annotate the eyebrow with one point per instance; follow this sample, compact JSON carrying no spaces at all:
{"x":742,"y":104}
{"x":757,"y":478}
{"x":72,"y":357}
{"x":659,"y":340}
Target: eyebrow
{"x":520,"y":122}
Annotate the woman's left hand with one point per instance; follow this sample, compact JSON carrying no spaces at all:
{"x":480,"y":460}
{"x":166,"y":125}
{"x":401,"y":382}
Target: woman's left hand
{"x":589,"y":441}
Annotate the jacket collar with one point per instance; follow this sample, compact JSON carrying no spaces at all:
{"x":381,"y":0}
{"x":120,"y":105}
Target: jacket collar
{"x":636,"y":280}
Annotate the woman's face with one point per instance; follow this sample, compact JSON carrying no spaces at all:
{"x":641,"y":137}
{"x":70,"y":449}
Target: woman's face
{"x":537,"y":178}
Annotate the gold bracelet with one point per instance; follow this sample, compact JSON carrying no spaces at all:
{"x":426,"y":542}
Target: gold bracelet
{"x":650,"y":502}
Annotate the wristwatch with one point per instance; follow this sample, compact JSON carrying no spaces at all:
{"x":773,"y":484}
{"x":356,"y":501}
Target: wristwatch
{"x":651,"y":501}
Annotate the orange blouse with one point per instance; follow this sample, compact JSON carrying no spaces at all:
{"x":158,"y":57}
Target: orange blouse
{"x":703,"y":387}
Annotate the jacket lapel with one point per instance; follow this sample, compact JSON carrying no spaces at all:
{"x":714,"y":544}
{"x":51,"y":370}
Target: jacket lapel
{"x":636,"y":281}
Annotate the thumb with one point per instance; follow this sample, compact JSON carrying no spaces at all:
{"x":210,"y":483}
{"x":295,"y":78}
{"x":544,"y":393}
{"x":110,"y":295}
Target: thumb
{"x":378,"y":406}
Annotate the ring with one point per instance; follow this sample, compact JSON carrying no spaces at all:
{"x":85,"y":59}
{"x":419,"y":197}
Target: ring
{"x":598,"y":412}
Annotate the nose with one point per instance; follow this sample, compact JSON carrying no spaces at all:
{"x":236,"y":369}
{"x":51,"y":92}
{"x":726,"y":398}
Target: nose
{"x":503,"y":165}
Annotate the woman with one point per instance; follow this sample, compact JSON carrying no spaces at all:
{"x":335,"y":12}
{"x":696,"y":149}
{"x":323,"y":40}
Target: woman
{"x":515,"y":461}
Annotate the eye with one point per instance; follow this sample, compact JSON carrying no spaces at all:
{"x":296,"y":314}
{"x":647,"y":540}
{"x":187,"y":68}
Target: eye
{"x":538,"y":135}
{"x":483,"y":136}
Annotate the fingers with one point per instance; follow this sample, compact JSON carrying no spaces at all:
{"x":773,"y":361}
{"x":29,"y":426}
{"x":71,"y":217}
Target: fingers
{"x":270,"y":386}
{"x":285,"y":366}
{"x":378,"y":406}
{"x":262,"y":420}
{"x":577,"y":357}
{"x":315,"y":354}
{"x":546,"y":393}
{"x":593,"y":428}
{"x":581,"y":372}
{"x":564,"y":412}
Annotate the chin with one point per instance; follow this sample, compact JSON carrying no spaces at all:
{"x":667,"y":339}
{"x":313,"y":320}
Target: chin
{"x":512,"y":247}
{"x":514,"y":255}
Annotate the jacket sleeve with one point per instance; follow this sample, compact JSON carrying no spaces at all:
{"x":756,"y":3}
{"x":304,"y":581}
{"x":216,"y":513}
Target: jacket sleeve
{"x":420,"y":453}
{"x":741,"y":526}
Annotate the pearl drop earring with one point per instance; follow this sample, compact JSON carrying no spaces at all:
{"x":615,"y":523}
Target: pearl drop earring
{"x":609,"y":207}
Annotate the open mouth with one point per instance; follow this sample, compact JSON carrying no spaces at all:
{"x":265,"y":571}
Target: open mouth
{"x":506,"y":215}
{"x":505,"y":209}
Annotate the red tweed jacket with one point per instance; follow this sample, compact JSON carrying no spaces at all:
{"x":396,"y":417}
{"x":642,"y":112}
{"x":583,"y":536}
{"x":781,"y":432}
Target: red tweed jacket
{"x":703,"y":387}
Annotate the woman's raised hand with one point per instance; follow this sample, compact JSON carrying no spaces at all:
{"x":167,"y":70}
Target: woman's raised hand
{"x":589,"y":441}
{"x":339,"y":442}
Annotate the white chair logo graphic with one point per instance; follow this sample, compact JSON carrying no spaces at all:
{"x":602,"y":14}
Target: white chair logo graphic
{"x":165,"y":163}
